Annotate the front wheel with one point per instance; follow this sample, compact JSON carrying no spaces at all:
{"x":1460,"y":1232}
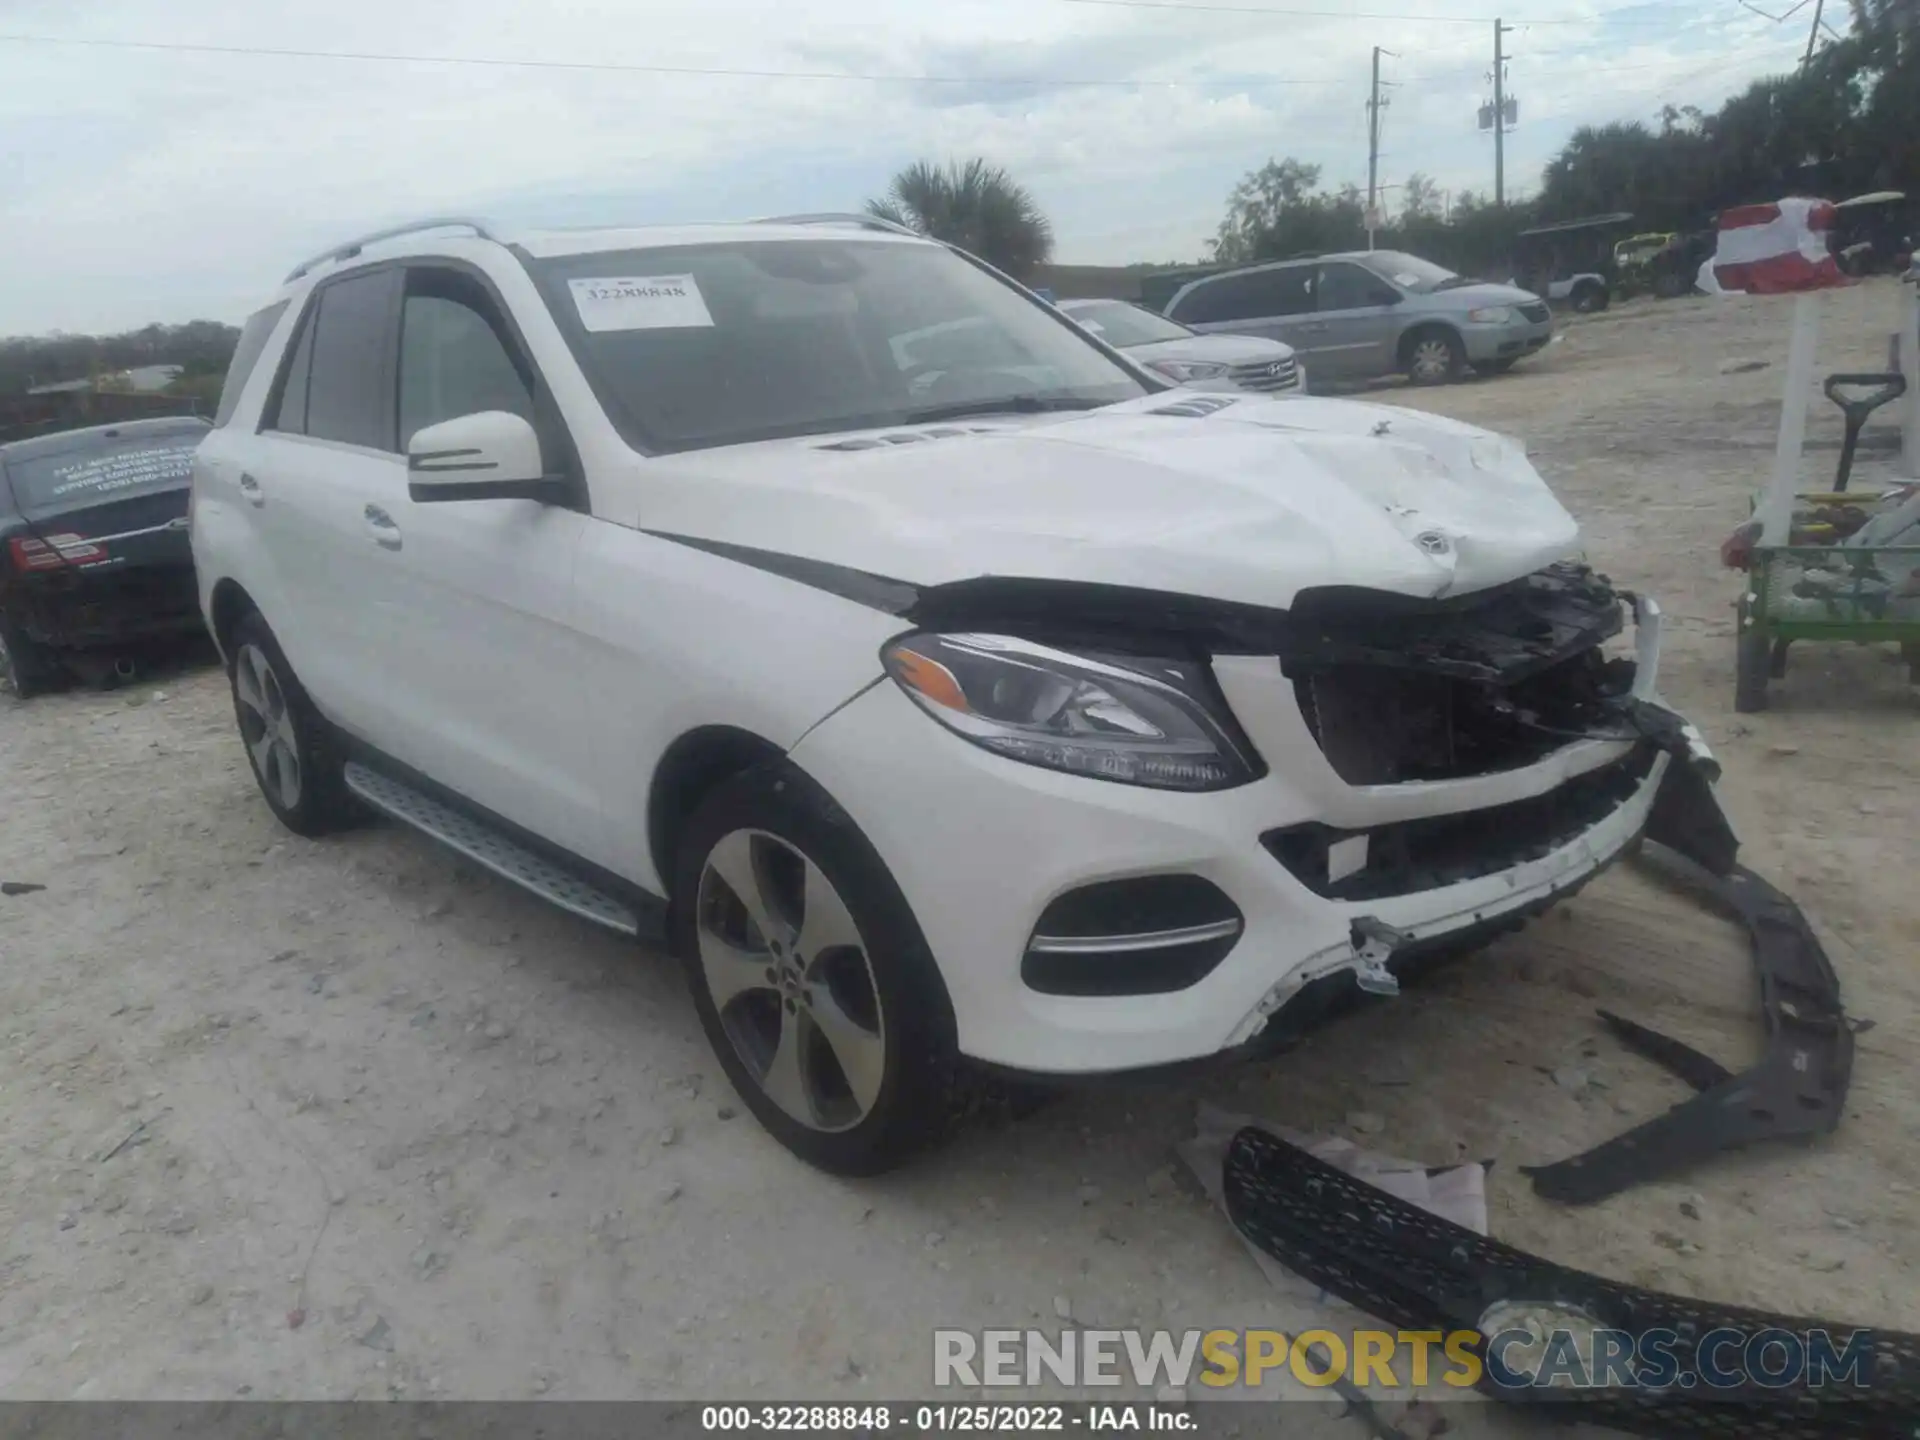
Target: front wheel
{"x":1589,"y":300}
{"x":291,"y":748}
{"x":1435,"y":357}
{"x":812,"y":979}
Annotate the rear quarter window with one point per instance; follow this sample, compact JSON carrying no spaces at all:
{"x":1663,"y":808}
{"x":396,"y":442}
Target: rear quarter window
{"x":246,"y":354}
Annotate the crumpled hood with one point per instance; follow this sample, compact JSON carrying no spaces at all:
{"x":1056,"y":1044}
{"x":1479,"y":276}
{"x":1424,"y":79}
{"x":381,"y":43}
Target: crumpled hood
{"x":1247,"y":500}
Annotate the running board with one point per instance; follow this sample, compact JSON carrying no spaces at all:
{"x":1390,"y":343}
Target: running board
{"x":487,"y":847}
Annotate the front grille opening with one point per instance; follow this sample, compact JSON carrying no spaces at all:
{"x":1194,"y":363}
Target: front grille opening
{"x":1382,"y":726}
{"x":1150,"y":935}
{"x":1426,"y":854}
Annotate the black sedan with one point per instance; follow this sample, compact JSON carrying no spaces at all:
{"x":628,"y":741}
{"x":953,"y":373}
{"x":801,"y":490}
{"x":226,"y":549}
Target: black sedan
{"x":94,"y":559}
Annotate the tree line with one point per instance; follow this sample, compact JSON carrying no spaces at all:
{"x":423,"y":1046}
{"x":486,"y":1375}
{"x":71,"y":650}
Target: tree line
{"x":201,"y":348}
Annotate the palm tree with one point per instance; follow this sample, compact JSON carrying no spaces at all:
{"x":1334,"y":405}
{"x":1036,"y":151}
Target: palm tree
{"x":975,"y":205}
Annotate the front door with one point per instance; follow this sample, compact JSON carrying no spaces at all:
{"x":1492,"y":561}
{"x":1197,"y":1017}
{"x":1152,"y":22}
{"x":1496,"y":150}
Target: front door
{"x":494,"y":672}
{"x":1352,"y":331}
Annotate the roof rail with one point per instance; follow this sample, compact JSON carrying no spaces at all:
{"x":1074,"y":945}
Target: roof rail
{"x":353,"y":247}
{"x":843,"y":217}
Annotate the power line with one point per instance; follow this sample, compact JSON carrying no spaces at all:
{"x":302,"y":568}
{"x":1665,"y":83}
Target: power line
{"x":1208,"y":6}
{"x":495,"y":62}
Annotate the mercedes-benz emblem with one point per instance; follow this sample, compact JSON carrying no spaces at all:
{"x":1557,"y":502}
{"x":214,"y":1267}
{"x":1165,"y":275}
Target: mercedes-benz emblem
{"x":1433,"y":542}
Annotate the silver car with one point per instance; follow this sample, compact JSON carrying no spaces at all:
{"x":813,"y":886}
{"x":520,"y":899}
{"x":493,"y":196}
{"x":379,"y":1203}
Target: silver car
{"x":1200,"y":362}
{"x":1372,"y":313}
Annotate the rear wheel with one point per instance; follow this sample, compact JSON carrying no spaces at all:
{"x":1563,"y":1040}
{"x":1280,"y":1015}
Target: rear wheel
{"x":812,"y":979}
{"x":1589,"y":299}
{"x":294,"y":753}
{"x":27,"y":668}
{"x":1434,"y":357}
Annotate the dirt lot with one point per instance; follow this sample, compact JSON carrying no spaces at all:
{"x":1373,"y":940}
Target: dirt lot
{"x":352,"y":1119}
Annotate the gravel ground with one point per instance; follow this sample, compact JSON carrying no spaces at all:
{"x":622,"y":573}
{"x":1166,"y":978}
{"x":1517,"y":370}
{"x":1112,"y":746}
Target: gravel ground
{"x":352,"y":1119}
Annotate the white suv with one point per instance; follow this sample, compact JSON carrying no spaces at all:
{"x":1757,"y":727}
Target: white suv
{"x":1005,"y":711}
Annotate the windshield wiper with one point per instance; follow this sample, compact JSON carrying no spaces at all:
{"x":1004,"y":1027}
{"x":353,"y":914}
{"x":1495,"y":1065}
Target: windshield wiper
{"x":1454,"y":282}
{"x":1005,"y":405}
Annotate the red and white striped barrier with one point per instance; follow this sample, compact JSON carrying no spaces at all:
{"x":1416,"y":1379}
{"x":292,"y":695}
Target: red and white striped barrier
{"x":1776,"y":249}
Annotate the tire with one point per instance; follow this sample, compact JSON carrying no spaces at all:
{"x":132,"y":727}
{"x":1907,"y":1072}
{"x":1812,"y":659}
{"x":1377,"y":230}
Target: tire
{"x":882,"y":1080}
{"x":1589,"y":299}
{"x":293,"y":752}
{"x":1671,"y":285}
{"x":1753,"y":666}
{"x":27,"y":668}
{"x":1434,"y":356}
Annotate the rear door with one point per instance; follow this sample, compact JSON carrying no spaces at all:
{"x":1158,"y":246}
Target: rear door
{"x":1275,"y":304}
{"x":325,"y":469}
{"x":105,"y":500}
{"x":1351,"y":333}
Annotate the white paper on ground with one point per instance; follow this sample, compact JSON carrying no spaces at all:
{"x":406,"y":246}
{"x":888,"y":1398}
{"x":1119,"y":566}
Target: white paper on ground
{"x":1458,"y":1194}
{"x":640,"y":302}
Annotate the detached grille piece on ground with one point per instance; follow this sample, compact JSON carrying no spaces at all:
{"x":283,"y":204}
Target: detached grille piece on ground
{"x":1417,"y":1271}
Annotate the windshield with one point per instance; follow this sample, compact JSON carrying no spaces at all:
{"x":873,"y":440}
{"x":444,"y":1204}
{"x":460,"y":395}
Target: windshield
{"x":1410,"y":272}
{"x":1121,"y":324}
{"x":720,"y":344}
{"x":103,"y":467}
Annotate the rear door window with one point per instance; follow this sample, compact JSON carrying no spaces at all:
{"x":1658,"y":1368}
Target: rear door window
{"x":350,"y":396}
{"x":246,"y":354}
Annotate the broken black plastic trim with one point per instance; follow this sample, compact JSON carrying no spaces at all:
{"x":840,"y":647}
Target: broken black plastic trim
{"x":1419,"y":1272}
{"x":1797,"y":1091}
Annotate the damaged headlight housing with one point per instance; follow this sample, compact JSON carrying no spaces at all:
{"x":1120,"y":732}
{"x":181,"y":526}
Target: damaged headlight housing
{"x":1137,"y":722}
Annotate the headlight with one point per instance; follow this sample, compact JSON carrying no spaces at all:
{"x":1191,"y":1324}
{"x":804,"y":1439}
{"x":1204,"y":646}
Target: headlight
{"x":1185,"y":370}
{"x":1138,"y":722}
{"x":1492,"y":315}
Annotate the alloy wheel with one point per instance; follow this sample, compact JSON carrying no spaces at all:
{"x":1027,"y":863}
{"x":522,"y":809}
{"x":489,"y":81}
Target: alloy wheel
{"x":266,"y":725}
{"x":790,"y":979}
{"x":1432,"y":360}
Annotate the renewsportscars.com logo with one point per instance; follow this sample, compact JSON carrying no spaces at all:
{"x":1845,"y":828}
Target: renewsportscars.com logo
{"x":1520,"y":1348}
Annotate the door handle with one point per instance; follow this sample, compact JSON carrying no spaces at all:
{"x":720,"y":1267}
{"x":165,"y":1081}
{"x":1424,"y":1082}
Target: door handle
{"x":386,"y":534}
{"x":1316,"y":329}
{"x":250,"y":488}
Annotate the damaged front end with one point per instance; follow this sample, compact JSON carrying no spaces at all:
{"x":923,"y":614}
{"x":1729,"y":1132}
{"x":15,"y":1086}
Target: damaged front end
{"x":1396,"y":692}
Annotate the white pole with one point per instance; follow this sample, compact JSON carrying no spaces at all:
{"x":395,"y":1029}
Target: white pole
{"x":1776,"y":511}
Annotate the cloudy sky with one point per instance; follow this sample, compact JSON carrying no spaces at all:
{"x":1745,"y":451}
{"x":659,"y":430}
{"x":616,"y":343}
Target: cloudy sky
{"x":142,"y":181}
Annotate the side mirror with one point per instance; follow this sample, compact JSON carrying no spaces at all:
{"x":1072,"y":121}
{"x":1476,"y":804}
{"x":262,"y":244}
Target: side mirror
{"x":489,"y":455}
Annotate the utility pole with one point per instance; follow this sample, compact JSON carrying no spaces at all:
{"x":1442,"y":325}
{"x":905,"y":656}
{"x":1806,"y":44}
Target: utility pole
{"x":1500,"y":31}
{"x":1813,"y":34}
{"x":1374,"y":103}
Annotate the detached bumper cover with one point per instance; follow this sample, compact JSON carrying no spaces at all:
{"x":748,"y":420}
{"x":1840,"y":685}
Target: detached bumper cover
{"x":1798,"y":1089}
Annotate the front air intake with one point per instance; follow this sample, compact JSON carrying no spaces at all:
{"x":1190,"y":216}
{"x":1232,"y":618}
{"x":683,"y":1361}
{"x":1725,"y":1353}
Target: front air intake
{"x":1150,"y":935}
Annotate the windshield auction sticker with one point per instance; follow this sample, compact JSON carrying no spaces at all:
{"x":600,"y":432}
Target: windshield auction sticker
{"x":640,"y":302}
